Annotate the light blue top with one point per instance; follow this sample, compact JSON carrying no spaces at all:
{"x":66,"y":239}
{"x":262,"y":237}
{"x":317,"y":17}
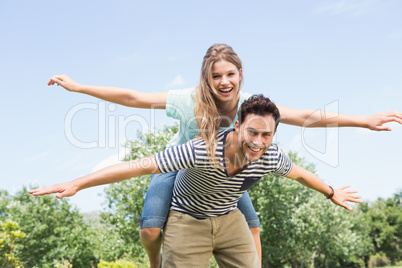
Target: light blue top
{"x":180,"y":105}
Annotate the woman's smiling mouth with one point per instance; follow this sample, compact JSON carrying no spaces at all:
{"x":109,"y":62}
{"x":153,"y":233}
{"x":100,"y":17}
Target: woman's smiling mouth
{"x":226,"y":90}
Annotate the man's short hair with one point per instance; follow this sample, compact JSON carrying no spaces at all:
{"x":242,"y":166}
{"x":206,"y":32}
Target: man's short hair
{"x":259,"y":105}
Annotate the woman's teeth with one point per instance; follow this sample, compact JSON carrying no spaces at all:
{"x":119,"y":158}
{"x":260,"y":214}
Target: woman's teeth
{"x":225,"y":89}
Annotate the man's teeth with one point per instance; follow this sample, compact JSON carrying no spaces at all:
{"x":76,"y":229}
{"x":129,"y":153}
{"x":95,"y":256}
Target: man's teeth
{"x":255,"y":150}
{"x":225,"y":89}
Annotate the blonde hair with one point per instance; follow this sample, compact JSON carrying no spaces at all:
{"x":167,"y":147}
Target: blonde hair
{"x":207,"y":113}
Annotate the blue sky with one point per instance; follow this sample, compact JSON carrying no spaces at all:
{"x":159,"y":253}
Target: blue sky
{"x":343,"y":56}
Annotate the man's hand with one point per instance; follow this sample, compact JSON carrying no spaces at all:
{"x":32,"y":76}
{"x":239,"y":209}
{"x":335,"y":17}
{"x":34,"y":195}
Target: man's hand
{"x":377,"y":121}
{"x":63,"y":190}
{"x":64,"y":81}
{"x":341,"y":196}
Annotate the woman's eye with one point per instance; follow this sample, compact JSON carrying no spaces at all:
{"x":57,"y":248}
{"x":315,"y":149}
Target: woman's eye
{"x":215,"y":76}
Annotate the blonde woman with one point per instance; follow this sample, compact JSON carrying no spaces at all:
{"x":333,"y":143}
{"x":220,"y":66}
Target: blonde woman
{"x":203,"y":110}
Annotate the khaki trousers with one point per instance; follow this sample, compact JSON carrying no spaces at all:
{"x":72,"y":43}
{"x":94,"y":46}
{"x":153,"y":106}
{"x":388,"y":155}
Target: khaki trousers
{"x":188,"y":242}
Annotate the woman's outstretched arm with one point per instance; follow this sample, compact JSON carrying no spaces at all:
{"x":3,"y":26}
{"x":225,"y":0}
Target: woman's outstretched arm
{"x":318,"y":118}
{"x":123,"y":96}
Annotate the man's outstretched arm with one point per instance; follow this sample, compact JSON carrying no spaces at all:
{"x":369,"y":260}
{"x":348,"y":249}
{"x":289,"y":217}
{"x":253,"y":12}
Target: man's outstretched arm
{"x":340,"y":195}
{"x":111,"y":174}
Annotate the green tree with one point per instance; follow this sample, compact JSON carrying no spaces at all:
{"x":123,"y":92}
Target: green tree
{"x":302,"y":228}
{"x":385,"y":218}
{"x":104,"y":238}
{"x":54,"y":231}
{"x":276,"y":200}
{"x":4,"y":201}
{"x":10,"y":234}
{"x":333,"y":236}
{"x":125,"y":200}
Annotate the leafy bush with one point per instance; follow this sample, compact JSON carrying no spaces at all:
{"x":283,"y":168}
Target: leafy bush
{"x":10,"y":233}
{"x":125,"y":199}
{"x":385,"y":220}
{"x":64,"y":264}
{"x":302,"y":228}
{"x":117,"y":264}
{"x":54,"y":231}
{"x":378,"y":260}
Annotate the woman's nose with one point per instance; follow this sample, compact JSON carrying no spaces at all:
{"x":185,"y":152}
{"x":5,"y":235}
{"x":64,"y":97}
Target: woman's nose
{"x":224,"y":80}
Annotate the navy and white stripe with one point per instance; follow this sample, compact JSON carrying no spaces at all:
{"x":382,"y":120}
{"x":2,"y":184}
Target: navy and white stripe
{"x":202,"y":190}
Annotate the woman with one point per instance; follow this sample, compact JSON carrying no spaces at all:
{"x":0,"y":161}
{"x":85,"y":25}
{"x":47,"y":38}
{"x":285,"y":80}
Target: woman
{"x":203,"y":110}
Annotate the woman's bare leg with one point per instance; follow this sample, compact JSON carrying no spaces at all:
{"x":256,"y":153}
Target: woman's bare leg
{"x":256,"y":235}
{"x":151,"y":239}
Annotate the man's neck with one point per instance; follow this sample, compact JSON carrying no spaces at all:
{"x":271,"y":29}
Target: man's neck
{"x":235,"y":160}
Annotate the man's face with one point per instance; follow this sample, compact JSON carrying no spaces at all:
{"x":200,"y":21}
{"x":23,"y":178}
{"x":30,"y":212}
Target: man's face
{"x":255,"y":135}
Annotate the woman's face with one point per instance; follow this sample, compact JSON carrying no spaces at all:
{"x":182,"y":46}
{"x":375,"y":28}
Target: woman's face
{"x":226,"y":80}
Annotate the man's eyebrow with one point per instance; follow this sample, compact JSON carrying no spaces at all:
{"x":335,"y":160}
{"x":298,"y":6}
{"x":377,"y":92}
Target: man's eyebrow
{"x":256,"y":130}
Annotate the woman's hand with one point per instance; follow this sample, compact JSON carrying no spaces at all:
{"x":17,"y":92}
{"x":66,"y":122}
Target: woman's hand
{"x":64,"y":81}
{"x":377,"y":121}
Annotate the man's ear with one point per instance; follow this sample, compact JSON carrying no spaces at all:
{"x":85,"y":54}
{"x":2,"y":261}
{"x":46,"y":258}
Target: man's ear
{"x":237,"y":126}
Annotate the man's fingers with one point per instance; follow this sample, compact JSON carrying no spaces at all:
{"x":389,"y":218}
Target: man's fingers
{"x":342,"y":195}
{"x":342,"y":204}
{"x":355,"y":200}
{"x":344,"y":187}
{"x":351,"y":192}
{"x":355,"y":197}
{"x":46,"y":190}
{"x":36,"y":192}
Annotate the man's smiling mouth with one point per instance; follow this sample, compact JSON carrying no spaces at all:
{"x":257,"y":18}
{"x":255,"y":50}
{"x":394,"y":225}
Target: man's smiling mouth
{"x":256,"y":150}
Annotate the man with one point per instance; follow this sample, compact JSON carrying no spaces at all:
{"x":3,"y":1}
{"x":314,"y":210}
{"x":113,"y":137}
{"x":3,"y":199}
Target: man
{"x":204,"y":219}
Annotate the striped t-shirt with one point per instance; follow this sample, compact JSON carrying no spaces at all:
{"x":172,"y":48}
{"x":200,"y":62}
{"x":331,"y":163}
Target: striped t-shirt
{"x":202,"y":190}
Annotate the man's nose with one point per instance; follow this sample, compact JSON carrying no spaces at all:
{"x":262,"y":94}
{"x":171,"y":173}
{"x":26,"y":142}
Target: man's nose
{"x":257,"y":140}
